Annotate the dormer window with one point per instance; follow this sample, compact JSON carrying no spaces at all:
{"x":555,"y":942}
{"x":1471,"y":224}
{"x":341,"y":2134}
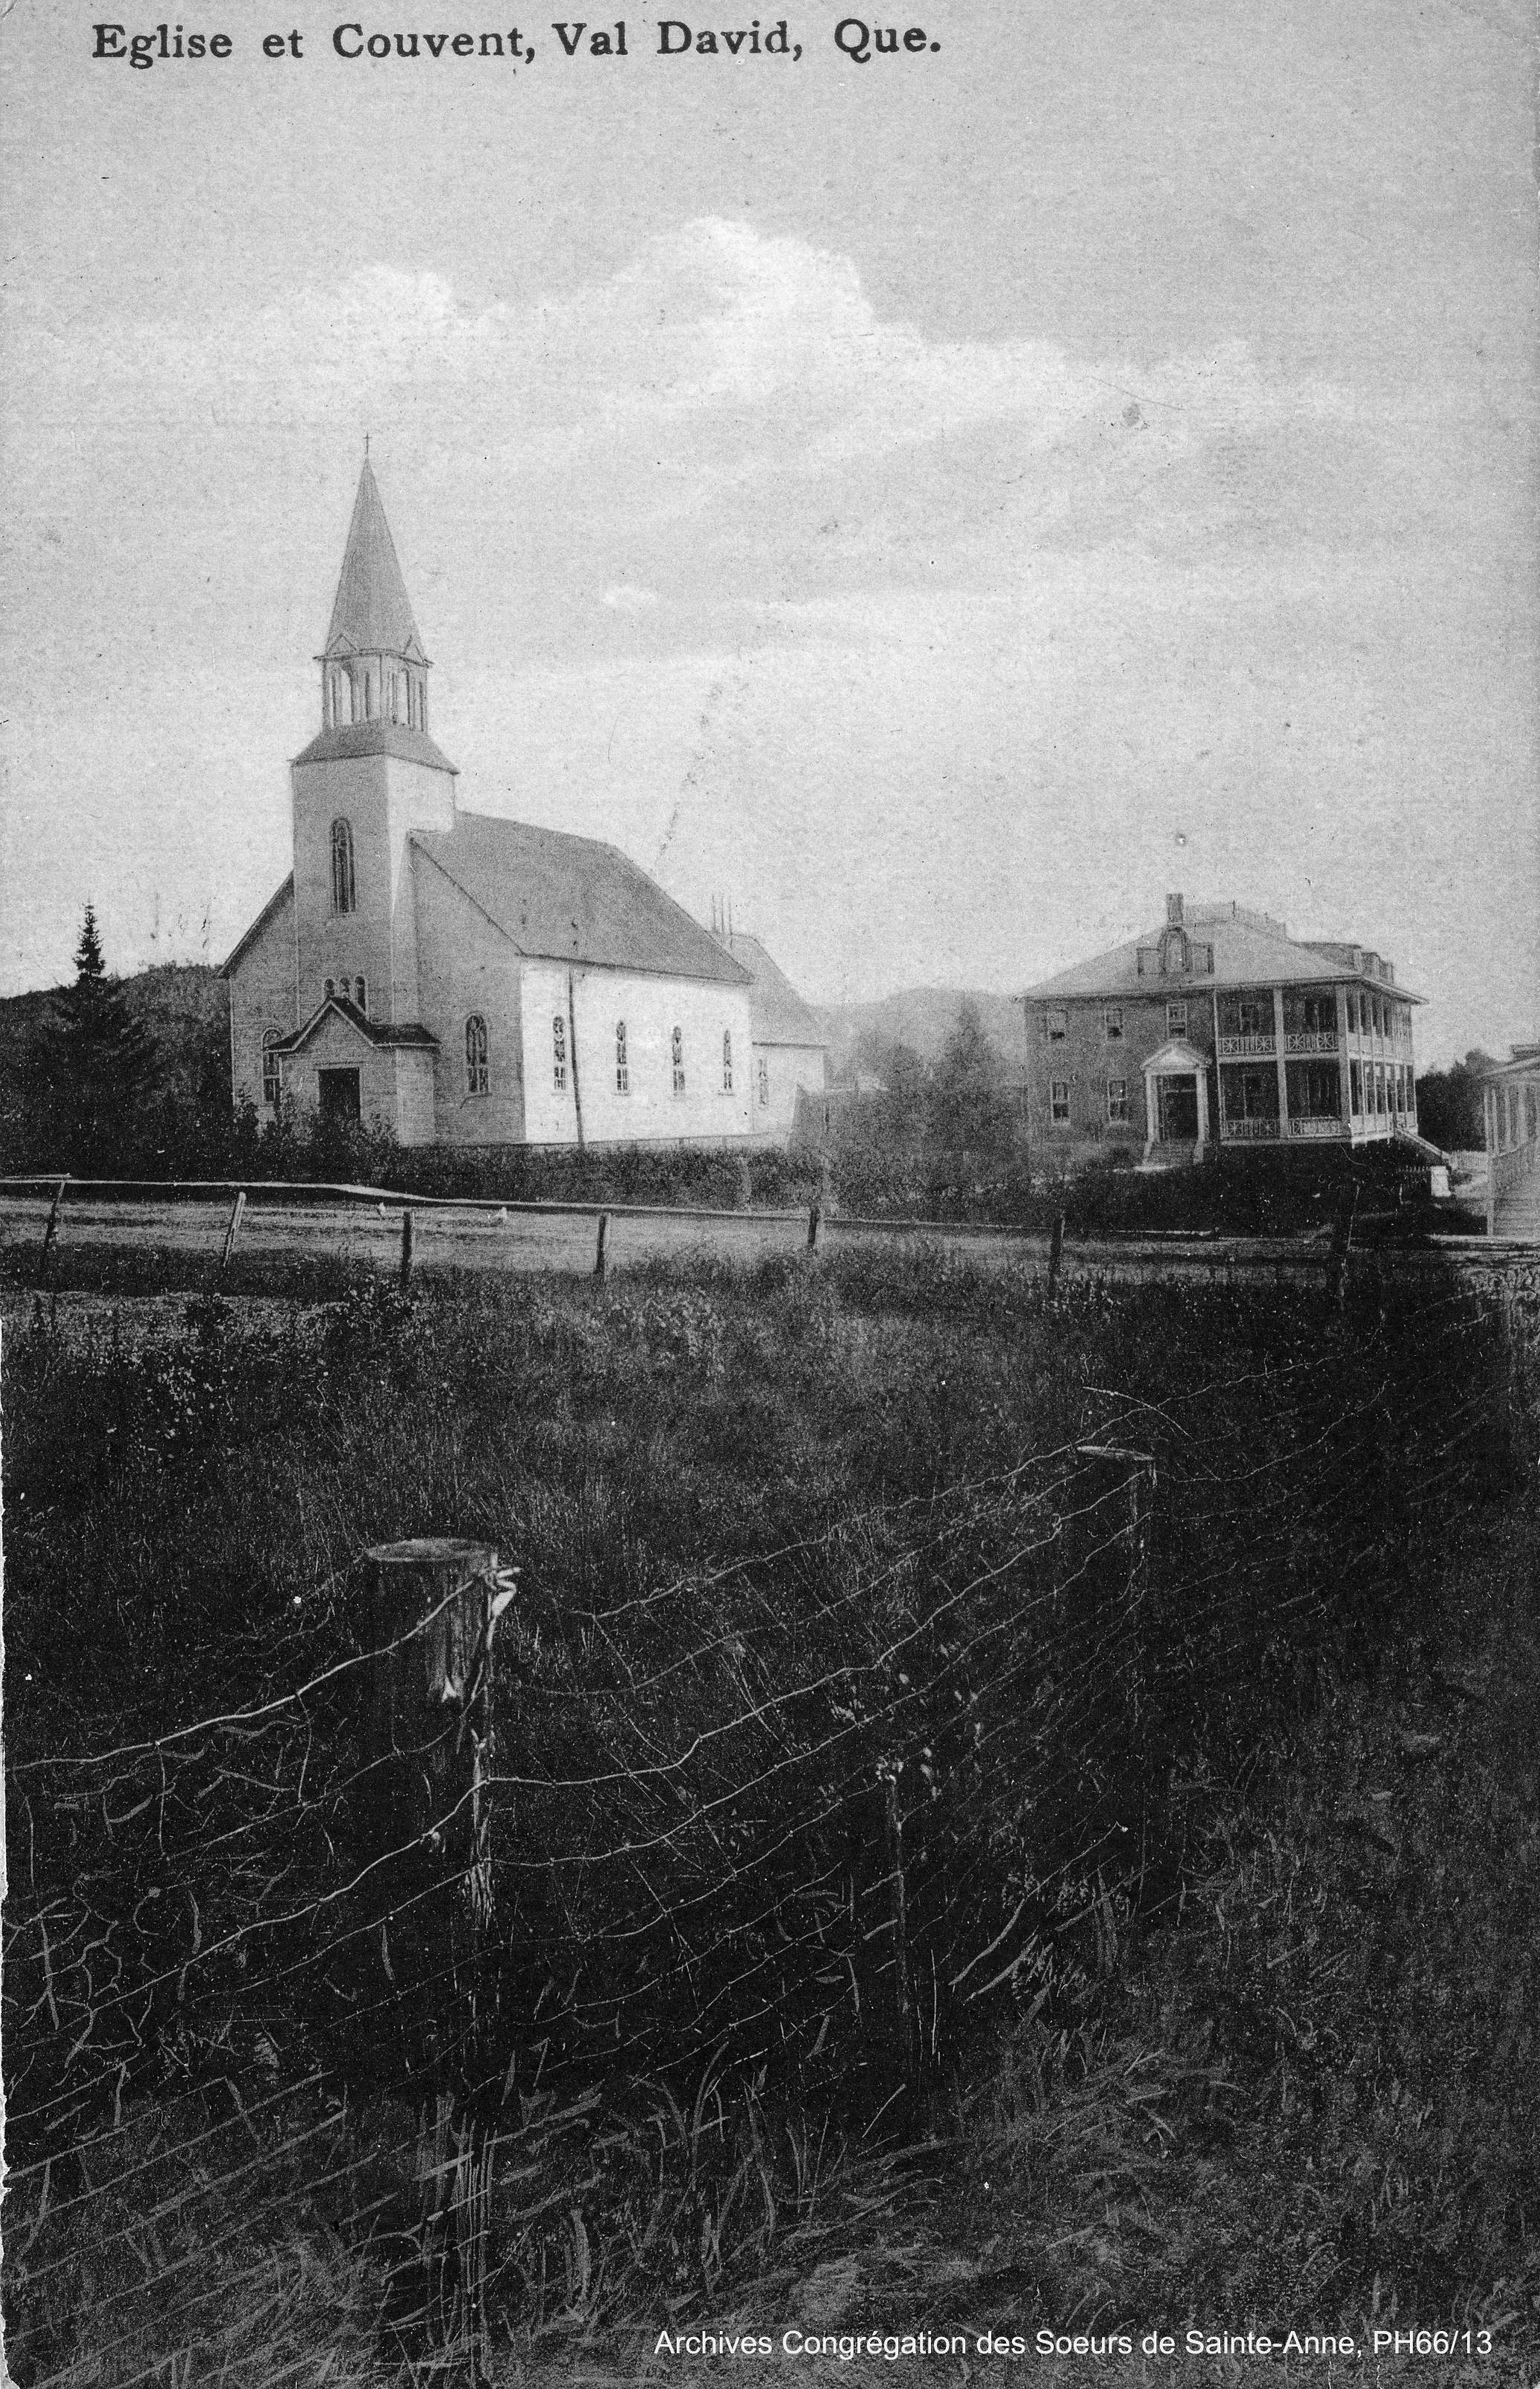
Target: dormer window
{"x":343,"y":894}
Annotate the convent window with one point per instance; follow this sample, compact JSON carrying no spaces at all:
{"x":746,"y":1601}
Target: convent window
{"x":1117,"y":1100}
{"x":272,"y":1081}
{"x":622,"y":1061}
{"x":676,"y":1048}
{"x":764,"y":1083}
{"x":558,"y":1050}
{"x":1058,"y":1106}
{"x":727,"y":1060}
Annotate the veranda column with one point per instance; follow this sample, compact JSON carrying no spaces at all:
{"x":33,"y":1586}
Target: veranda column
{"x":1282,"y":1064}
{"x":1344,"y":1070}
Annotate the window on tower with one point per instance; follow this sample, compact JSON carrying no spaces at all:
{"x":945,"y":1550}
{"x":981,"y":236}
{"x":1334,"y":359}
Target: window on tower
{"x":343,"y":895}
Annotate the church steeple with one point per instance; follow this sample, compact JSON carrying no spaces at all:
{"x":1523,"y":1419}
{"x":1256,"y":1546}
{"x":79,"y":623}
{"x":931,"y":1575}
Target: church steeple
{"x":373,"y":668}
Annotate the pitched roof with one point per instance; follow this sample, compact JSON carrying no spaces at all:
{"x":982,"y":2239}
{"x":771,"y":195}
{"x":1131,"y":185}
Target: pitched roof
{"x":371,"y":612}
{"x":574,"y":899}
{"x":375,"y":738}
{"x":378,"y":1032}
{"x":232,"y":957}
{"x":777,"y":1014}
{"x":1249,"y":950}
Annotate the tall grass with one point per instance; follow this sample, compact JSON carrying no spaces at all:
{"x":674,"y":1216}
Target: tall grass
{"x":810,"y":1560}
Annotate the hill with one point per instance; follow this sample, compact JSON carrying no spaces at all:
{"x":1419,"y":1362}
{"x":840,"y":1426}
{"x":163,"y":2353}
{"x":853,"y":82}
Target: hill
{"x":923,"y":1019}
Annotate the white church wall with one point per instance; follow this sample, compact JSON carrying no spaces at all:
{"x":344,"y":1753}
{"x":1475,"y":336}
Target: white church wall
{"x":416,"y":1120}
{"x":780,"y":1074}
{"x":466,"y":966}
{"x":261,"y":999}
{"x":648,"y":1111}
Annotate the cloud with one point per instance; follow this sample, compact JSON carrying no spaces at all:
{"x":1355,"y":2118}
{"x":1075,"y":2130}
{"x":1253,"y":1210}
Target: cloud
{"x":767,"y":347}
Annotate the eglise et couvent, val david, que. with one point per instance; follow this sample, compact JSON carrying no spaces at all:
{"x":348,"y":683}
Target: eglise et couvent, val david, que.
{"x":458,"y":978}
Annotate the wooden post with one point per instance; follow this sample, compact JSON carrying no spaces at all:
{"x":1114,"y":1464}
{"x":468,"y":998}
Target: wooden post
{"x":52,"y":1229}
{"x":233,"y":1231}
{"x":905,"y":2019}
{"x":1055,"y":1255}
{"x":599,"y":1253}
{"x":433,"y":1605}
{"x":812,"y":1227}
{"x":1341,"y":1244}
{"x":406,"y":1250}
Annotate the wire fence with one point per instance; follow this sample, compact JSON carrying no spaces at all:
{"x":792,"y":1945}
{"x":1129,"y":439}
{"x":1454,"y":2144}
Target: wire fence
{"x":328,"y":2013}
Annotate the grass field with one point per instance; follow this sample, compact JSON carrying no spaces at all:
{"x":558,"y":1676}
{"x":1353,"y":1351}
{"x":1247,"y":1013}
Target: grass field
{"x":1236,"y":1796}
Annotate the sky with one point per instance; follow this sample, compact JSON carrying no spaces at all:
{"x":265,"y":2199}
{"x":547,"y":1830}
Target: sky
{"x":939,"y":505}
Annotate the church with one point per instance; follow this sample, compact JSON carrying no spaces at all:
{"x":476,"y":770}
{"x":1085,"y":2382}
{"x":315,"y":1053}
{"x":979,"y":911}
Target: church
{"x":454,"y":977}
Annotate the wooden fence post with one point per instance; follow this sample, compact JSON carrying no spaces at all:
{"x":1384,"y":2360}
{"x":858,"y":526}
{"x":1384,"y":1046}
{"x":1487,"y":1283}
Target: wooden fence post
{"x":812,"y":1226}
{"x":406,"y":1250}
{"x":233,"y":1231}
{"x":433,"y":1605}
{"x":52,"y":1229}
{"x":599,"y":1252}
{"x":1055,"y":1255}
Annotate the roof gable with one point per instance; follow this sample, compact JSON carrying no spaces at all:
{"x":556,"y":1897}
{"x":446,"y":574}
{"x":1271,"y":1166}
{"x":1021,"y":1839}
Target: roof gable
{"x":573,"y":900}
{"x":269,"y":912}
{"x":373,"y":1033}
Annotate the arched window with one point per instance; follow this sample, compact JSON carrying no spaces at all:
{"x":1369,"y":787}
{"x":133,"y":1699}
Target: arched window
{"x":345,"y":990}
{"x":272,"y":1081}
{"x":622,"y":1061}
{"x":328,"y":988}
{"x":677,"y":1046}
{"x":764,"y":1082}
{"x":342,"y":866}
{"x":727,"y":1060}
{"x":558,"y":1050}
{"x":360,"y":993}
{"x":478,"y":1077}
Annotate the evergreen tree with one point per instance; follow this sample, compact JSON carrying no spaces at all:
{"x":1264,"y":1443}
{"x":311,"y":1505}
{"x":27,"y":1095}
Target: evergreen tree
{"x":94,"y":1065}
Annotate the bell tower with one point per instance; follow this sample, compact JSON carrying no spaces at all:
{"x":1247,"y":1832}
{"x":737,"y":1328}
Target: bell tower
{"x":368,"y":779}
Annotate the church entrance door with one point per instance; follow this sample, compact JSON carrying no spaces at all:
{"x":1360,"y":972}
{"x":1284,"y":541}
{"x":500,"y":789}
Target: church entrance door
{"x":340,"y":1107}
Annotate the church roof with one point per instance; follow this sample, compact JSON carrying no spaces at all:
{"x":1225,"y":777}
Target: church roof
{"x":375,"y":738}
{"x":574,"y":899}
{"x":371,"y":612}
{"x":1249,"y":950}
{"x":777,"y":1014}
